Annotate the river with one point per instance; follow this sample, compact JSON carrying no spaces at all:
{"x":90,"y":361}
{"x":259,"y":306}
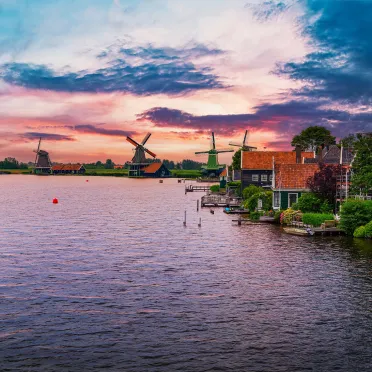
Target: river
{"x":109,"y":279}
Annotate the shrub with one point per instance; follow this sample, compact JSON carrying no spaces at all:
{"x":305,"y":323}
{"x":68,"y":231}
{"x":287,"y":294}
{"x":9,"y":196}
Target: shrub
{"x":368,"y":230}
{"x":251,"y":190}
{"x":325,"y":207}
{"x":355,"y":213}
{"x":316,"y":219}
{"x":277,"y":216}
{"x":307,"y":203}
{"x":252,"y":202}
{"x":215,"y":188}
{"x":255,"y":216}
{"x":290,"y":215}
{"x":360,"y":232}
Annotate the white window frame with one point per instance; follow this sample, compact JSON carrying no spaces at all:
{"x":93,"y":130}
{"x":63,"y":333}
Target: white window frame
{"x":289,"y":199}
{"x":270,"y":177}
{"x":255,"y":177}
{"x":263,"y":177}
{"x":276,"y":206}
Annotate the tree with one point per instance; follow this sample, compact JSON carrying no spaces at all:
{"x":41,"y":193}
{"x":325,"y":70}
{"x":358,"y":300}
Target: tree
{"x":237,"y":160}
{"x":324,"y":182}
{"x":99,"y":164}
{"x":309,"y":202}
{"x":251,"y":190}
{"x":349,"y":141}
{"x":109,"y":164}
{"x":313,"y":137}
{"x":361,"y":180}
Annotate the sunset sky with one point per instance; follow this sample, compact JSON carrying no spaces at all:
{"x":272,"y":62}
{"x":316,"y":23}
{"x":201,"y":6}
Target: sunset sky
{"x":84,"y":74}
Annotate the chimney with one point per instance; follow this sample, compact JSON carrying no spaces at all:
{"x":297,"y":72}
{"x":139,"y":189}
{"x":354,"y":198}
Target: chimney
{"x":320,"y":157}
{"x":298,"y":154}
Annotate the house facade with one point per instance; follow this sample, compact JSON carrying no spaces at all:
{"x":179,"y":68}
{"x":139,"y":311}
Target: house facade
{"x":155,"y":170}
{"x":290,"y":183}
{"x":257,"y":166}
{"x":68,"y":169}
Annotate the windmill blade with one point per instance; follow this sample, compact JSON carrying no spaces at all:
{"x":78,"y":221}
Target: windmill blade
{"x":224,"y":150}
{"x":245,"y":137}
{"x":150,"y":153}
{"x":146,"y":138}
{"x":213,"y":142}
{"x":235,"y":144}
{"x":37,"y":151}
{"x":249,"y":147}
{"x":201,"y":152}
{"x":132,"y":141}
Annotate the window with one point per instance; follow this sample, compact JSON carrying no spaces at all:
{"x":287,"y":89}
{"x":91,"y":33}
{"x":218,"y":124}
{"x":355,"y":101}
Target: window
{"x":264,"y":177}
{"x":270,"y":177}
{"x":255,"y":177}
{"x":276,"y":199}
{"x":292,"y":198}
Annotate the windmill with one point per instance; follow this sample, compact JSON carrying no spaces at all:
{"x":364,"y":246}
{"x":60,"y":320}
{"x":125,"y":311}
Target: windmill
{"x":42,"y":161}
{"x":213,"y":168}
{"x":243,"y":145}
{"x":139,"y":158}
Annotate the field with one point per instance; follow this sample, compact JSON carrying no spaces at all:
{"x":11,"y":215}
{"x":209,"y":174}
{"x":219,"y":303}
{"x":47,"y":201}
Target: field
{"x":15,"y":171}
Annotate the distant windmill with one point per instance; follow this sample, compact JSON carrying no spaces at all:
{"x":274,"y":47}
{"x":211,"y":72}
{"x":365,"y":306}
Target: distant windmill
{"x":139,"y":158}
{"x":42,"y":160}
{"x":213,"y":168}
{"x":243,"y":145}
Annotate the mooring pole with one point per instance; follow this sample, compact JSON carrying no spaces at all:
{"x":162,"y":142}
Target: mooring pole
{"x":240,"y":220}
{"x":184,"y":222}
{"x":197,"y":205}
{"x":199,"y":225}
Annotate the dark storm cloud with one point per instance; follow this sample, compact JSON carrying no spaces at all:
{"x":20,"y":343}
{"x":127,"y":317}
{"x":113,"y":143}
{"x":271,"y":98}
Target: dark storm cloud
{"x":341,"y":68}
{"x":48,"y":136}
{"x":92,"y":129}
{"x":168,"y":71}
{"x":285,"y":119}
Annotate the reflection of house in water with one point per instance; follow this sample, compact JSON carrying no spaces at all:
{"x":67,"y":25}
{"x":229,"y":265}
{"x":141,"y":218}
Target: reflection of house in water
{"x":68,"y":169}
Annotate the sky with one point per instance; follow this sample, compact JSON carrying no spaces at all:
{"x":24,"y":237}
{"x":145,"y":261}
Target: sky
{"x":84,"y":74}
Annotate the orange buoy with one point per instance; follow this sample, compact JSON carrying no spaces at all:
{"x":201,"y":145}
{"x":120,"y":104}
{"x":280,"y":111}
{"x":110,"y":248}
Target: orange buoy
{"x":55,"y":201}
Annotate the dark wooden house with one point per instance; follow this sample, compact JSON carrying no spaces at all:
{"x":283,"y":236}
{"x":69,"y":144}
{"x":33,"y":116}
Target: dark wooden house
{"x":155,"y":170}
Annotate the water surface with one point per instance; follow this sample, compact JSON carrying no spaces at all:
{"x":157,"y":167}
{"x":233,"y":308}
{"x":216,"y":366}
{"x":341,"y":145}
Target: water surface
{"x":109,"y":279}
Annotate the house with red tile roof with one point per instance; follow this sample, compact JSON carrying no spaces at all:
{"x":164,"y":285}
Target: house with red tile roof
{"x":155,"y":170}
{"x":257,"y":166}
{"x":290,"y":182}
{"x":68,"y":169}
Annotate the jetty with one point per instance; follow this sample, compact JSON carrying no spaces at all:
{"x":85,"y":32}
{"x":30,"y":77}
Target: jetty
{"x":213,"y":200}
{"x":192,"y":188}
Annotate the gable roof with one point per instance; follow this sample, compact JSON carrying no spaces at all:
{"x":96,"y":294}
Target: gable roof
{"x":67,"y":167}
{"x":223,"y":173}
{"x":293,"y":176}
{"x":152,"y":168}
{"x":264,"y":159}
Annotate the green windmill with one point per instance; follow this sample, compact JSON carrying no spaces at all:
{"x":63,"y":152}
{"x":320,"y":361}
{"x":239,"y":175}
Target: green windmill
{"x":213,"y":168}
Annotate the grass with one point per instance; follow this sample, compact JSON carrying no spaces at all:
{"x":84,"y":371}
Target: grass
{"x":107,"y":172}
{"x":16,"y":171}
{"x":185,"y":173}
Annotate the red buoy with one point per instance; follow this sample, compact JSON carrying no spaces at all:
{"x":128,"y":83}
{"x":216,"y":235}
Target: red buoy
{"x":87,"y":180}
{"x":55,"y":201}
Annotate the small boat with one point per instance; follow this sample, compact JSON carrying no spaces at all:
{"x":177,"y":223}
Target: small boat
{"x":160,"y":181}
{"x":298,"y":231}
{"x":236,"y":211}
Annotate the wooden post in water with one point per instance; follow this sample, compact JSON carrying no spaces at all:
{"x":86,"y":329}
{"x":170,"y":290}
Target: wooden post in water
{"x":184,"y":222}
{"x":199,"y":224}
{"x":197,"y":205}
{"x":240,"y":221}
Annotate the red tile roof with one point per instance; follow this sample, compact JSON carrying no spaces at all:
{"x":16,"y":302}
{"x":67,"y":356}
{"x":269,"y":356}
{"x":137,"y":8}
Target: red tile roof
{"x":264,"y":159}
{"x":152,"y":168}
{"x":66,"y":167}
{"x":293,"y":176}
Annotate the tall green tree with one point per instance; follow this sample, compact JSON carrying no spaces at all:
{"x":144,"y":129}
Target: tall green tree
{"x":313,"y":137}
{"x":361,"y":180}
{"x":109,"y":164}
{"x":237,"y":160}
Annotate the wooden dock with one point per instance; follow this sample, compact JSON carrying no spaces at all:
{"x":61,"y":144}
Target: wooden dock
{"x":220,"y":201}
{"x":193,"y":188}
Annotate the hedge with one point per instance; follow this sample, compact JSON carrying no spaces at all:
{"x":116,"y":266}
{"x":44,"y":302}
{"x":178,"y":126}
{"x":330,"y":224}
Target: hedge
{"x":355,"y":213}
{"x":316,"y":219}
